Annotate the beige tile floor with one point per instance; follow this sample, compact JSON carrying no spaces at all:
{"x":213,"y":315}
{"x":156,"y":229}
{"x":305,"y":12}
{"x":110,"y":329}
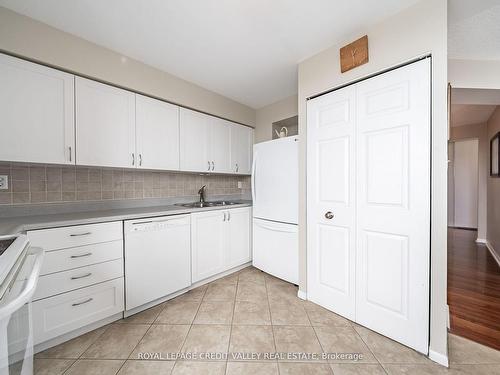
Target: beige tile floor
{"x":248,"y":312}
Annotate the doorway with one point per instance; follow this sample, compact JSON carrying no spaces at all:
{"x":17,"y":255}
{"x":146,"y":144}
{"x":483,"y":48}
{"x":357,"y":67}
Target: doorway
{"x":473,"y":272}
{"x":463,"y":209}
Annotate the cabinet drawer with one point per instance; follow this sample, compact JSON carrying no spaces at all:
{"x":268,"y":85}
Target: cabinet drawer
{"x":66,"y":312}
{"x":61,"y":282}
{"x":75,"y":257}
{"x":78,"y":235}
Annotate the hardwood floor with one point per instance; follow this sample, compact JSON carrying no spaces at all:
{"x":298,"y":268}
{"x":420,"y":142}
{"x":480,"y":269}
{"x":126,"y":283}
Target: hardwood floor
{"x":473,"y":289}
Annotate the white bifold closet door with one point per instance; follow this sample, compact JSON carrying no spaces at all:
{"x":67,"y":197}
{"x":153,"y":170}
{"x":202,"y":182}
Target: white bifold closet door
{"x":368,"y":205}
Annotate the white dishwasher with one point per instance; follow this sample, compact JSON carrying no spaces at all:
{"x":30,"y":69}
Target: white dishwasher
{"x":157,"y":258}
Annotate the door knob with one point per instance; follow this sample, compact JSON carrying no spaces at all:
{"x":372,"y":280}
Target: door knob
{"x":329,"y":215}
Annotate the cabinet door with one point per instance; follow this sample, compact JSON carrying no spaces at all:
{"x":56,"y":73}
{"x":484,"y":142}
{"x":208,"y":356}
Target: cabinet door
{"x":220,"y":141}
{"x":208,"y":234}
{"x":37,"y":109}
{"x":238,"y":249}
{"x":194,"y":141}
{"x":105,"y":125}
{"x":157,"y":134}
{"x":241,"y":149}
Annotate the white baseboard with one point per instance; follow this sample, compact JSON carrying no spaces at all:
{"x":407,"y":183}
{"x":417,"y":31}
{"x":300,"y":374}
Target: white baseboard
{"x":481,"y":240}
{"x":493,"y":252}
{"x":438,"y":358}
{"x":302,"y":295}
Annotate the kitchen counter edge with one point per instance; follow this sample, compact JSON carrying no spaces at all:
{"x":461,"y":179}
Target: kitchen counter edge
{"x":20,"y":224}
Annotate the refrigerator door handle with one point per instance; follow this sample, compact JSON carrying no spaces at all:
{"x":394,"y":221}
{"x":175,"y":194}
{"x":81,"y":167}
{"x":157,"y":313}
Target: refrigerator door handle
{"x":254,"y":169}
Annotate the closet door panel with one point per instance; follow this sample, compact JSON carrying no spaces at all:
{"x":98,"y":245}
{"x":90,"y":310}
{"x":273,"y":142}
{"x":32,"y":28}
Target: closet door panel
{"x":331,"y":201}
{"x":393,"y":204}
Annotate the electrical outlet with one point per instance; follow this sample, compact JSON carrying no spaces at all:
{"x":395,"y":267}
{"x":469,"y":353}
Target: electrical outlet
{"x":4,"y":182}
{"x":240,"y":185}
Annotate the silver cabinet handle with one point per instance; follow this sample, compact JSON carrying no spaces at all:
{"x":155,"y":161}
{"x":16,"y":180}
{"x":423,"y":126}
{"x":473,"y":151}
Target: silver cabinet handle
{"x":140,"y":160}
{"x":228,"y":216}
{"x":213,"y":166}
{"x":208,"y":165}
{"x":81,"y":255}
{"x":224,"y":217}
{"x":237,"y":168}
{"x":70,"y":153}
{"x":83,"y":302}
{"x":81,"y":277}
{"x":329,"y":215}
{"x":133,"y":158}
{"x":80,"y":234}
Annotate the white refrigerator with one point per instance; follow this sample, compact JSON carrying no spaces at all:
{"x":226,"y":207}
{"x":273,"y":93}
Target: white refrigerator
{"x":275,"y":194}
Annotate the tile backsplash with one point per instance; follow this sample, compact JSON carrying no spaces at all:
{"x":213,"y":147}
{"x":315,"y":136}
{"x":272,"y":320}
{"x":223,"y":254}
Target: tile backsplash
{"x":40,"y":184}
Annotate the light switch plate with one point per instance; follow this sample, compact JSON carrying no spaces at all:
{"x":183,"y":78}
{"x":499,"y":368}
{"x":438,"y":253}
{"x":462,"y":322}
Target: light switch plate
{"x":4,"y":182}
{"x":240,"y":185}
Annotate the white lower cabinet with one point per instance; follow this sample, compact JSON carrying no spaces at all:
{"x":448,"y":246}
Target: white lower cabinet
{"x":238,"y":250}
{"x":207,"y":244}
{"x":66,"y":312}
{"x":220,"y":240}
{"x":82,"y":277}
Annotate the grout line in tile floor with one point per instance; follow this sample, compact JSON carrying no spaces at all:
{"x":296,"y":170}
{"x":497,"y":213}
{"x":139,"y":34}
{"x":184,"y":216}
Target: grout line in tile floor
{"x":190,"y":326}
{"x":317,"y":338}
{"x":271,"y":321}
{"x":232,"y":319}
{"x":366,"y":344}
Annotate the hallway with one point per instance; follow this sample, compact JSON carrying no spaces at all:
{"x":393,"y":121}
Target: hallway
{"x":473,"y":289}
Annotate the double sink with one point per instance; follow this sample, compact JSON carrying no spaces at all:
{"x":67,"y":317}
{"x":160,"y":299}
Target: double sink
{"x":207,"y":204}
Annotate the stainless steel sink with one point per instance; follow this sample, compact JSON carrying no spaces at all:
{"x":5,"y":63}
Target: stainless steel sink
{"x":207,"y":204}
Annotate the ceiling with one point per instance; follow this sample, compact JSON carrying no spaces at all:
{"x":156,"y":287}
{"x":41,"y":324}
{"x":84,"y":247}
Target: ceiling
{"x":473,"y":29}
{"x":467,"y":114}
{"x":245,"y":50}
{"x":475,"y":96}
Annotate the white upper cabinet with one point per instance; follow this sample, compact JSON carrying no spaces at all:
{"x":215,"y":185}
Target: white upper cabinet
{"x":211,"y":144}
{"x":241,"y":149}
{"x":194,"y":141}
{"x":37,"y":109}
{"x":105,"y":125}
{"x":157,"y":134}
{"x":220,"y":141}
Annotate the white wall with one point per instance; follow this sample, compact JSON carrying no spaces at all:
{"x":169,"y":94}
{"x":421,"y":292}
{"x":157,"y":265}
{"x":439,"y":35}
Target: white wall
{"x":475,"y":74}
{"x":265,"y":117}
{"x":416,"y":31}
{"x":478,"y":131}
{"x":25,"y":37}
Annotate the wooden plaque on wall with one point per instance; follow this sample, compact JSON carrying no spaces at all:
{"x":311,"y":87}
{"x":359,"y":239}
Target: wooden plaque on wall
{"x":354,"y":54}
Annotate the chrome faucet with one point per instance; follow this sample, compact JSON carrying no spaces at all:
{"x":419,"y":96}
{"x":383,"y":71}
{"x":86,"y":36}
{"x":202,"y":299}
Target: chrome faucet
{"x":201,"y":192}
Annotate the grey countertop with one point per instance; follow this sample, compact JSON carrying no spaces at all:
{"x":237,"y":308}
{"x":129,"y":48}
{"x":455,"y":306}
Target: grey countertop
{"x":20,"y":224}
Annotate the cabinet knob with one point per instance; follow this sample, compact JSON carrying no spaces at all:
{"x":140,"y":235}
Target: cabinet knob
{"x":329,"y":215}
{"x":208,"y":165}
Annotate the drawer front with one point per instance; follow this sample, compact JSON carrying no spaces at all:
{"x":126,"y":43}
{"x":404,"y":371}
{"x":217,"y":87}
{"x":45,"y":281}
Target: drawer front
{"x":75,"y":257}
{"x":78,"y":235}
{"x":66,"y":312}
{"x":60,"y":282}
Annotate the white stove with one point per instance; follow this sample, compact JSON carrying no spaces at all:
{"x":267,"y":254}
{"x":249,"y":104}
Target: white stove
{"x":20,"y":266}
